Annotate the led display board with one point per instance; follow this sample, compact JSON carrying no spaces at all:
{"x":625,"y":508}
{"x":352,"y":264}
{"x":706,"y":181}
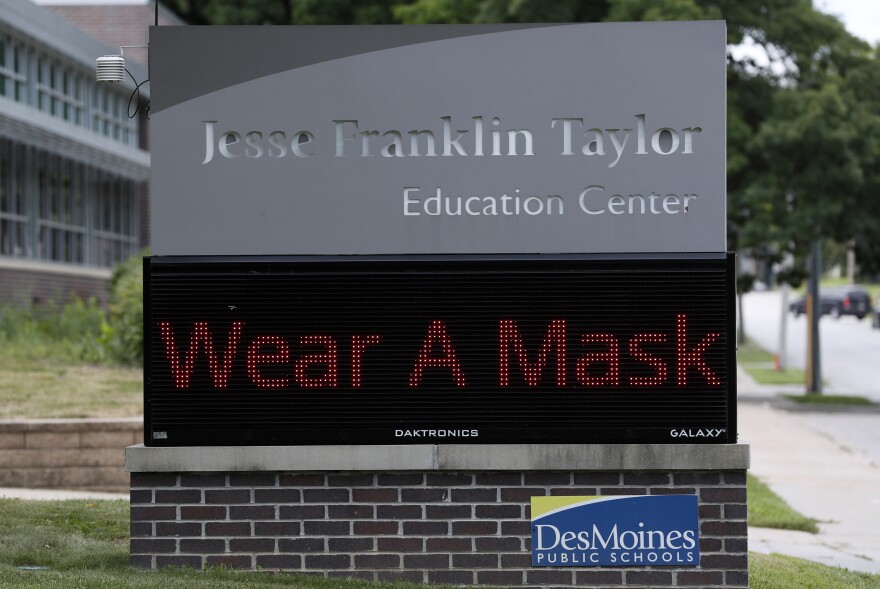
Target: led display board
{"x":429,"y":349}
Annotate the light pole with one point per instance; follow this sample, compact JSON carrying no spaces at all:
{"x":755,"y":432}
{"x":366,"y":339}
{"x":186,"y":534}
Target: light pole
{"x":814,"y":313}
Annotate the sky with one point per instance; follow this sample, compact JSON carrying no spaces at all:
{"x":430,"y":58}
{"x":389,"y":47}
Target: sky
{"x":861,"y":17}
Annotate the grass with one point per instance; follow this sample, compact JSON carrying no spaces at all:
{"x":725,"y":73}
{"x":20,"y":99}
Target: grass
{"x":84,"y":545}
{"x":831,"y":400}
{"x":46,"y":388}
{"x":54,"y":366}
{"x":785,"y":572}
{"x":770,"y":376}
{"x":758,"y":362}
{"x":769,"y":510}
{"x":751,"y":353}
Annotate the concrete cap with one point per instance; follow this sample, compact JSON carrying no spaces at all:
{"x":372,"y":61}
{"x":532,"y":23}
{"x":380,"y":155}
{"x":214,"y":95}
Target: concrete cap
{"x":427,"y":457}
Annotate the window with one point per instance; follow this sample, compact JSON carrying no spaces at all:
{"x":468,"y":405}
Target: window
{"x":12,"y":70}
{"x":52,"y":208}
{"x":59,"y":91}
{"x":13,"y":211}
{"x":61,"y":226}
{"x":110,"y":116}
{"x":114,"y":238}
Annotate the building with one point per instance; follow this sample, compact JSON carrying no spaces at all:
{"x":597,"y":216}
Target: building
{"x":74,"y":164}
{"x":115,"y":22}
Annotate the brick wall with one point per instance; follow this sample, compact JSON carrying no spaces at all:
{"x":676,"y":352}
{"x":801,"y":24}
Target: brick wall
{"x":439,"y":527}
{"x":81,"y":454}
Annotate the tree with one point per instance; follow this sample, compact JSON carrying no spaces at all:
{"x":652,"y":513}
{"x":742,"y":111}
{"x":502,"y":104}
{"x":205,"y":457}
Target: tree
{"x":284,"y":12}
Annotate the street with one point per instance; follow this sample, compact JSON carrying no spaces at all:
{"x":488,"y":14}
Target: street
{"x":850,"y":361}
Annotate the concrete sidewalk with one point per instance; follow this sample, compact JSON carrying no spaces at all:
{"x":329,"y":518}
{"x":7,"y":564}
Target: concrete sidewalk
{"x":57,"y":494}
{"x":817,"y":475}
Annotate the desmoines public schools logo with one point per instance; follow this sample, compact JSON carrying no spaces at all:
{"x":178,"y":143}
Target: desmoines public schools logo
{"x":660,"y":530}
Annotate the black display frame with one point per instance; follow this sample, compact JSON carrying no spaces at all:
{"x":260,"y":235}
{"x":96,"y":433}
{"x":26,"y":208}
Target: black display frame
{"x":158,"y":432}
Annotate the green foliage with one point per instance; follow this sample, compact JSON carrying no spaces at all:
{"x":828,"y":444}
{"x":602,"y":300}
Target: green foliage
{"x":745,"y":283}
{"x":768,"y":510}
{"x":81,"y":330}
{"x":812,"y":145}
{"x":658,"y":10}
{"x":312,"y":12}
{"x":122,"y":334}
{"x":845,"y":400}
{"x":771,"y":376}
{"x":750,"y":352}
{"x":283,"y":12}
{"x":758,"y":362}
{"x":529,"y":11}
{"x":437,"y":11}
{"x":68,"y":333}
{"x":794,"y":276}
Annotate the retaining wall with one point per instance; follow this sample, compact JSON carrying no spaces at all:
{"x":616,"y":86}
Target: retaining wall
{"x":439,"y":514}
{"x":87,"y":454}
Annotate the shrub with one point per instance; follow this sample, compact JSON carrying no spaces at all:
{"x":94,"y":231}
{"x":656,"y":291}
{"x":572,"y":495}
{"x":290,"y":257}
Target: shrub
{"x":68,"y":333}
{"x":122,"y":334}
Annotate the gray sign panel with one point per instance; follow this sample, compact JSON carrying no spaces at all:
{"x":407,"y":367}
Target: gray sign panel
{"x":584,"y":138}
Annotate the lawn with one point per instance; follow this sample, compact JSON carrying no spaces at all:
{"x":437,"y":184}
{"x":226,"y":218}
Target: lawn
{"x":785,"y":572}
{"x":31,"y":388}
{"x":55,"y":366}
{"x":758,"y":362}
{"x":768,"y":510}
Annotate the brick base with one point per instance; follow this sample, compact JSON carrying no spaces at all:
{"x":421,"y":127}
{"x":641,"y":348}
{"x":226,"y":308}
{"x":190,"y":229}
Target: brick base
{"x":469,"y":527}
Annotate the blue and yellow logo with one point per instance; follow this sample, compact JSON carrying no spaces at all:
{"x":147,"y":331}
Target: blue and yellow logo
{"x":620,"y":530}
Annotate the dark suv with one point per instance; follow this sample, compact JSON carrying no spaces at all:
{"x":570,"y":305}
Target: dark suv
{"x":845,"y":300}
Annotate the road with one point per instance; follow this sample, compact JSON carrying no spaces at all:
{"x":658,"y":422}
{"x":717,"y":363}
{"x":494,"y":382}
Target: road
{"x":850,"y":348}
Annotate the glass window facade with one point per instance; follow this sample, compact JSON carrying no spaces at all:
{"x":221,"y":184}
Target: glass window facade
{"x":54,"y":208}
{"x":65,"y":91}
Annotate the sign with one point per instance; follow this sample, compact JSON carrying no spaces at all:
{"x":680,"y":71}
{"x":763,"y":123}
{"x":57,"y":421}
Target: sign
{"x":428,"y":349}
{"x":625,"y":531}
{"x":581,"y":138}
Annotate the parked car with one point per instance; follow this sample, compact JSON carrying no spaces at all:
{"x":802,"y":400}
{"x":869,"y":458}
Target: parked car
{"x":846,"y":300}
{"x":875,"y":321}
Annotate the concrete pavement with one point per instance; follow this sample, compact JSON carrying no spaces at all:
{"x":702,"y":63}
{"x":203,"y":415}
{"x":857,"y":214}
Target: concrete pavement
{"x":57,"y":494}
{"x":819,"y":475}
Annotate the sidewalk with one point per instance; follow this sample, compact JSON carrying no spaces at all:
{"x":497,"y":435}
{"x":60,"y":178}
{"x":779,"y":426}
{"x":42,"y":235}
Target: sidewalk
{"x":56,"y":494}
{"x":819,"y":477}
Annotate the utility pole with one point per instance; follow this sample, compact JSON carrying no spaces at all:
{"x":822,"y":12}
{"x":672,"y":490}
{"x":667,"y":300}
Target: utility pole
{"x":850,"y":262}
{"x":781,"y":356}
{"x":814,"y":313}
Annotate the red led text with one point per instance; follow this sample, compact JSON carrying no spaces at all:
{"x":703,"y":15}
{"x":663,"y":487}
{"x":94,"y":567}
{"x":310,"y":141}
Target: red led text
{"x":313,"y":361}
